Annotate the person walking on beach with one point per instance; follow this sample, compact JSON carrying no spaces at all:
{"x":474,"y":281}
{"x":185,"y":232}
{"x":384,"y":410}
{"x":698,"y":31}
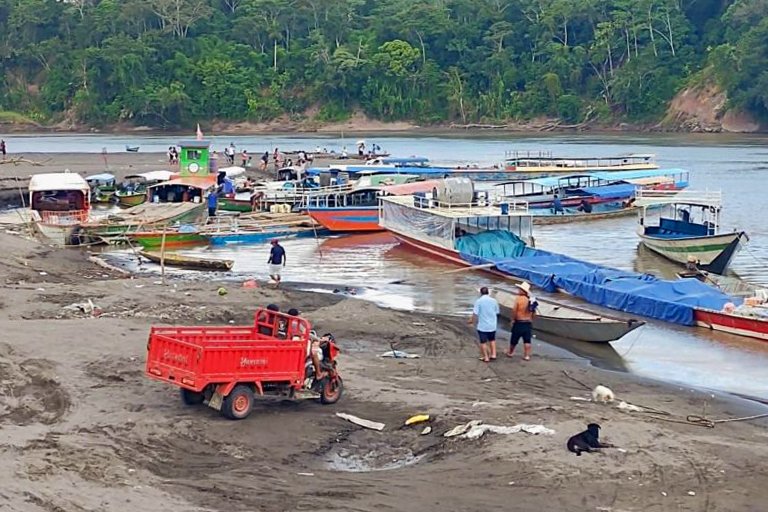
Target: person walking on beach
{"x":276,"y":261}
{"x":522,"y":321}
{"x":485,"y":318}
{"x":3,"y":148}
{"x":264,"y":160}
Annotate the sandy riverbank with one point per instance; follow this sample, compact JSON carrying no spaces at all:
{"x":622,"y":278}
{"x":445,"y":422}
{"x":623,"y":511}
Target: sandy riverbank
{"x":83,"y":429}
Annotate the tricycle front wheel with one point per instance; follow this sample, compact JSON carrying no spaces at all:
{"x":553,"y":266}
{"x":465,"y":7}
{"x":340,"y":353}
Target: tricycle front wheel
{"x":190,"y":397}
{"x":238,"y":404}
{"x":333,"y":387}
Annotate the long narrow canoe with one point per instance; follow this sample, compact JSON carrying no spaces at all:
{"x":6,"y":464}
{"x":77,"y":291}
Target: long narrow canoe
{"x":173,"y":259}
{"x":569,"y":322}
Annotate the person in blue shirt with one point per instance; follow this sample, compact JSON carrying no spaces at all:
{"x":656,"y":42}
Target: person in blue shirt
{"x":213,"y":203}
{"x":557,"y":206}
{"x":485,"y":317}
{"x":228,"y":188}
{"x":276,"y":261}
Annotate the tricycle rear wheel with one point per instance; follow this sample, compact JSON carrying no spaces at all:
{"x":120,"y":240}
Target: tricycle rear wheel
{"x":238,"y":404}
{"x":333,"y":387}
{"x":190,"y":397}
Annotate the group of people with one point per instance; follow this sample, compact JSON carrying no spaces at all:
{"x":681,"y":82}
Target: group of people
{"x":557,"y":206}
{"x":278,"y":326}
{"x":173,"y":155}
{"x":485,"y":314}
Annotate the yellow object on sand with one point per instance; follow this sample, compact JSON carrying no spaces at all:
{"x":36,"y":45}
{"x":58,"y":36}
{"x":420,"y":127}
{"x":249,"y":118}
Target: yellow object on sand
{"x":222,"y":291}
{"x":419,"y":418}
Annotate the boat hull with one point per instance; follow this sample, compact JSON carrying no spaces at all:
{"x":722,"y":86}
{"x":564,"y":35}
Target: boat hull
{"x":347,"y":219}
{"x":543,"y":220}
{"x":733,"y":324}
{"x":131,"y":199}
{"x":154,"y":240}
{"x":178,"y":260}
{"x":714,"y":253}
{"x":589,"y":330}
{"x":235,"y":205}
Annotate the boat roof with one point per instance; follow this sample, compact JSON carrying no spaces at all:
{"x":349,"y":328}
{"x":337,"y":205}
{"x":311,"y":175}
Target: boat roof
{"x":552,"y":158}
{"x":201,"y":182}
{"x":462,"y":211}
{"x":402,"y":160}
{"x":624,"y":189}
{"x":688,"y":197}
{"x":233,"y":171}
{"x":195,"y":144}
{"x":105,"y":176}
{"x":405,"y":189}
{"x":58,"y":181}
{"x":633,"y":175}
{"x":553,"y":181}
{"x":153,"y":175}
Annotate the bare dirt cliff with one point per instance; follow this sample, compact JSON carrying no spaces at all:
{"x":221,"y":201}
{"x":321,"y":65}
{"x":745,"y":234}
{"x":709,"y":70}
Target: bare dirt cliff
{"x":703,"y":108}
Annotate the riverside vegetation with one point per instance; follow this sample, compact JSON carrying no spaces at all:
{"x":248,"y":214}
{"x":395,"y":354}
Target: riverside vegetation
{"x":171,"y":63}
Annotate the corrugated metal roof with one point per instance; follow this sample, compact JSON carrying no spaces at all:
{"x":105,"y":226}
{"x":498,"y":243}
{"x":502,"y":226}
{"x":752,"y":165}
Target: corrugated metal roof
{"x":57,"y":181}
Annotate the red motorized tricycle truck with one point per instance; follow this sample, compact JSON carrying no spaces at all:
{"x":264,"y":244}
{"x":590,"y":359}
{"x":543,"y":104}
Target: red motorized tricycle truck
{"x":226,"y":367}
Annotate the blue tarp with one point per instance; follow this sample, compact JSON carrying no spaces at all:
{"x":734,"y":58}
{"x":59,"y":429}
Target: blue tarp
{"x":641,"y":294}
{"x":621,"y":190}
{"x":491,"y":245}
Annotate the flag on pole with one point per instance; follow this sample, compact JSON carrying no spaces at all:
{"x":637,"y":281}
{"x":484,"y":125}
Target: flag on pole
{"x":199,"y":132}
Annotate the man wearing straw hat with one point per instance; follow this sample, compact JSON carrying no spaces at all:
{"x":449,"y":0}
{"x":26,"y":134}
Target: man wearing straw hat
{"x":522,"y":321}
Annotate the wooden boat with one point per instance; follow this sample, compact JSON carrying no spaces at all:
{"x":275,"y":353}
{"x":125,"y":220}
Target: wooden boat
{"x":59,"y":204}
{"x":569,"y":322}
{"x":573,"y":215}
{"x":132,"y":149}
{"x":594,"y":187}
{"x":231,"y":204}
{"x":173,"y":259}
{"x":144,"y":217}
{"x":358,"y":210}
{"x":259,"y":227}
{"x":752,"y":323}
{"x":174,"y":239}
{"x":102,"y":187}
{"x":134,"y":191}
{"x":479,"y":233}
{"x":544,"y":163}
{"x":687,"y":228}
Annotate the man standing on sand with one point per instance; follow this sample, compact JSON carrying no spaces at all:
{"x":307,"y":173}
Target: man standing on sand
{"x":485,"y":316}
{"x":276,"y":261}
{"x":3,"y":148}
{"x":522,"y":321}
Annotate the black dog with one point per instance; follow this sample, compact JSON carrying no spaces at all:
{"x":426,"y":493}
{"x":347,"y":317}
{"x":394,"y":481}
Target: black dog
{"x":587,"y":441}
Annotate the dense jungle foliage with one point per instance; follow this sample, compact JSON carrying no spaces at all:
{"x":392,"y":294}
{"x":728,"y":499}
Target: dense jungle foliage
{"x":177,"y":62}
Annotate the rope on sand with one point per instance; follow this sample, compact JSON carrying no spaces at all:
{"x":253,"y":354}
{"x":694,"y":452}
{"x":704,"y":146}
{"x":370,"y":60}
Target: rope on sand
{"x":706,"y":422}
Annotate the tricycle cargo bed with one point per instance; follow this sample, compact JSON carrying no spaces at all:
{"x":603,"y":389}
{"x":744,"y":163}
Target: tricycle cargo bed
{"x":226,"y":367}
{"x":273,"y":350}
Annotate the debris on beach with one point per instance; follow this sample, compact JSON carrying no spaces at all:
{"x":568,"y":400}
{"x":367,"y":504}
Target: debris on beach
{"x":400,"y":354}
{"x":462,"y":429}
{"x":477,"y":431}
{"x":415,"y":420}
{"x":373,"y":425}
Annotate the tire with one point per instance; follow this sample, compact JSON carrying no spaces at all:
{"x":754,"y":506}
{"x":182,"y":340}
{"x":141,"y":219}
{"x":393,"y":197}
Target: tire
{"x":191,"y":397}
{"x":332,"y":390}
{"x":238,"y":404}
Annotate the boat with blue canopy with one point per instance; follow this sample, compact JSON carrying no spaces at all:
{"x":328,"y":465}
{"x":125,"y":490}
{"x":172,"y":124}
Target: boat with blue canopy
{"x":500,"y":236}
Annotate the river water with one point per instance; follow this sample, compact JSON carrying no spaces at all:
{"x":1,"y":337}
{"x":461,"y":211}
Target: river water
{"x":737,"y":165}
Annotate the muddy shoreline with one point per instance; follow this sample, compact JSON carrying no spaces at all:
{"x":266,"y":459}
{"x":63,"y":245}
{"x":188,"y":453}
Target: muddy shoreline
{"x":83,"y":428}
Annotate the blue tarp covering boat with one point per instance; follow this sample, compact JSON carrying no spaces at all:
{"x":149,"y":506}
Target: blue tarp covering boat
{"x":619,"y":191}
{"x":641,"y":294}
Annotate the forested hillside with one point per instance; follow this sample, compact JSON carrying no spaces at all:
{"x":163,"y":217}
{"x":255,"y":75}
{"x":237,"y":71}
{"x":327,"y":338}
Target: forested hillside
{"x":169,"y":63}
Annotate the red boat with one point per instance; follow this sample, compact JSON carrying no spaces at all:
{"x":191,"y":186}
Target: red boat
{"x":225,"y":367}
{"x":752,"y":327}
